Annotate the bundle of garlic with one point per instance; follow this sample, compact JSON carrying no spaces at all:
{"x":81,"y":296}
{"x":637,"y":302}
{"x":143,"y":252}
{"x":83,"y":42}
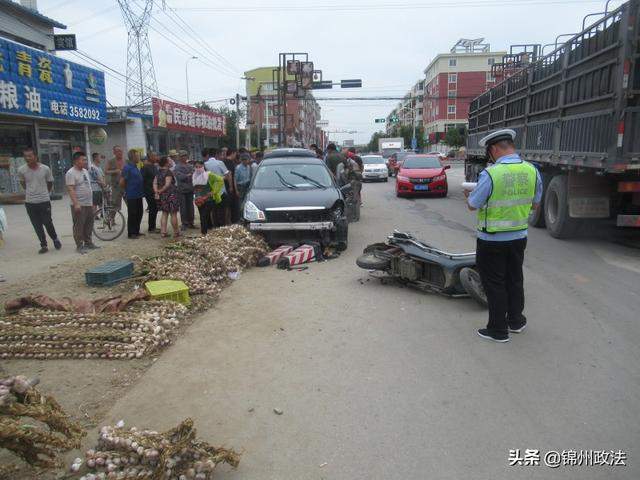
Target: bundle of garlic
{"x":128,"y":454}
{"x":141,"y":329}
{"x":20,"y":405}
{"x":204,"y":263}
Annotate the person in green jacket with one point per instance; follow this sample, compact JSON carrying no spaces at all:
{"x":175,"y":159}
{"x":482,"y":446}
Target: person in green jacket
{"x":207,"y":189}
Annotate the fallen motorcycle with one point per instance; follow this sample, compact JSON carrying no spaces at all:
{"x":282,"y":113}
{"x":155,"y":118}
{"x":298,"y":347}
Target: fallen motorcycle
{"x":415,"y":263}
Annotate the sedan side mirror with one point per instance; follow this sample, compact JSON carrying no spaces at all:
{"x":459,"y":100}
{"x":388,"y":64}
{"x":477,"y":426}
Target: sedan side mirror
{"x":447,"y":167}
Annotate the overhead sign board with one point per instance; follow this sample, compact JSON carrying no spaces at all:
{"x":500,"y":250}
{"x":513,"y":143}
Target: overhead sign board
{"x":37,"y":84}
{"x":355,"y":83}
{"x":65,"y":42}
{"x":174,"y":116}
{"x":391,"y":145}
{"x":306,"y":74}
{"x":293,"y":67}
{"x":324,"y":84}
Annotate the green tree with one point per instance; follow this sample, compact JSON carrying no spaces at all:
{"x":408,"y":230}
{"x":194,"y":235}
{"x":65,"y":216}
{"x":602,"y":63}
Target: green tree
{"x":373,"y":143}
{"x":455,"y":138}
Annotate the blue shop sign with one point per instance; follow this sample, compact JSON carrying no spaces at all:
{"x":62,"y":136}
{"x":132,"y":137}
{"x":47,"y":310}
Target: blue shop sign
{"x":37,"y":84}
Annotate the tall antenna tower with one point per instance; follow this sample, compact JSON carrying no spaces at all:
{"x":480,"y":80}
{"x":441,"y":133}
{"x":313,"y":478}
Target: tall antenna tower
{"x":141,"y":76}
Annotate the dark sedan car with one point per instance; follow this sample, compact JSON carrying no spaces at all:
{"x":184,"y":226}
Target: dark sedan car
{"x":294,"y":198}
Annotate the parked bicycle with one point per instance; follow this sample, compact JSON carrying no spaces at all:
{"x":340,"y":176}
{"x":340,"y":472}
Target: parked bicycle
{"x":108,"y":222}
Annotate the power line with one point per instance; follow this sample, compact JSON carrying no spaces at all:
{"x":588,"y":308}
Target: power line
{"x":204,"y":59}
{"x":189,"y":52}
{"x":86,"y":56}
{"x":197,"y":36}
{"x":364,"y":8}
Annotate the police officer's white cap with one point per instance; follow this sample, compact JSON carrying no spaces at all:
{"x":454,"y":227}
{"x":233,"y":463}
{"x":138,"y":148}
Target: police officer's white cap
{"x":497,"y":136}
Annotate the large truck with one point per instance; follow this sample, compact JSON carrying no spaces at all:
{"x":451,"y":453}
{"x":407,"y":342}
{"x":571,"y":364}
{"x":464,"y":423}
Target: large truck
{"x":390,"y":145}
{"x":576,"y":112}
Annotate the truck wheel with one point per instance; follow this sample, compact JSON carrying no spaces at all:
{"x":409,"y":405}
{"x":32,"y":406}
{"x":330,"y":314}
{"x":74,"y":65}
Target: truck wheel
{"x":370,"y":261}
{"x":536,"y":217}
{"x":470,"y":280}
{"x":556,"y":209}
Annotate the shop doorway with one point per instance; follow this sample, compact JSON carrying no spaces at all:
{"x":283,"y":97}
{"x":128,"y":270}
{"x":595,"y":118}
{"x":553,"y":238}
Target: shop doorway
{"x":56,"y":154}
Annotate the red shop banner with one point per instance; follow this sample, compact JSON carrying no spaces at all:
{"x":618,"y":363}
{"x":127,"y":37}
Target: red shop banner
{"x":175,"y":116}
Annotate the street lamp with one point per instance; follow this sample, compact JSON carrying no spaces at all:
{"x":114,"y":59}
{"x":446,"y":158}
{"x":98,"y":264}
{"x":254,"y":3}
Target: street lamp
{"x":186,"y":75}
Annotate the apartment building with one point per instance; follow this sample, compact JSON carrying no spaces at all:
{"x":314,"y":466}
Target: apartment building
{"x":452,"y":81}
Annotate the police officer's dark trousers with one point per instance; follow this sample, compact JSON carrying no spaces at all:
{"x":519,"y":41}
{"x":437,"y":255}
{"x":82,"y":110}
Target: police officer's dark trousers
{"x":500,"y":266}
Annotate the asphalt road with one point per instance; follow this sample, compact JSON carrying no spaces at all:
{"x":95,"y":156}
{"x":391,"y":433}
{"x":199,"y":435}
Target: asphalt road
{"x":381,"y":382}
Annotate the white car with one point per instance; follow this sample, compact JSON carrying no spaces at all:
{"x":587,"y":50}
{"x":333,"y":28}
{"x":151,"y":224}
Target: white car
{"x":375,"y":168}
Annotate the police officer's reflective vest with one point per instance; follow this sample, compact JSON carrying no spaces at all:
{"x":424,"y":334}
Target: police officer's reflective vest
{"x":512,"y":193}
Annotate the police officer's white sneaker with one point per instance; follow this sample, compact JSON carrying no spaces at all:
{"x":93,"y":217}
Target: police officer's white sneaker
{"x":495,"y":337}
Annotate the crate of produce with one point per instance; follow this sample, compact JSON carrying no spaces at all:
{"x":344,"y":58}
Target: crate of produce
{"x":109,"y":273}
{"x":173,"y":290}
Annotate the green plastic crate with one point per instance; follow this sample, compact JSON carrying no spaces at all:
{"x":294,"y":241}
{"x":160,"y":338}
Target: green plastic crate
{"x":174,"y":290}
{"x":109,"y":273}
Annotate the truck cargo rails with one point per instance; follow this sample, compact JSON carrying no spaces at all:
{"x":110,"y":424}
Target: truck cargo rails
{"x":576,"y":112}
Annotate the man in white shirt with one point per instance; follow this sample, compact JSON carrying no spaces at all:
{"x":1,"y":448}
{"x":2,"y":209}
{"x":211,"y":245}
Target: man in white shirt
{"x":37,"y":181}
{"x":79,"y":187}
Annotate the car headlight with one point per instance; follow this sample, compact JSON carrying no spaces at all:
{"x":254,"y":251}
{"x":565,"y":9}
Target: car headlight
{"x":439,"y":177}
{"x":252,"y":213}
{"x":400,"y":178}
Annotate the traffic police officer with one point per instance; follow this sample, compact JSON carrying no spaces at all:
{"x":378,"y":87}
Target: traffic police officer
{"x":503,"y":198}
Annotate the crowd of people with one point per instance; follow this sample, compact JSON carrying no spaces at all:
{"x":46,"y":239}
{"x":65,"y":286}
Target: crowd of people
{"x":171,"y":186}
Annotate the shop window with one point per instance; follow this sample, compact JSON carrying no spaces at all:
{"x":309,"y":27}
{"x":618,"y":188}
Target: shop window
{"x":13,"y":140}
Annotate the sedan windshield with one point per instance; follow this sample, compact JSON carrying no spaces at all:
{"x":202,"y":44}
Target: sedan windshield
{"x":372,"y":160}
{"x":292,"y":176}
{"x":421,"y":162}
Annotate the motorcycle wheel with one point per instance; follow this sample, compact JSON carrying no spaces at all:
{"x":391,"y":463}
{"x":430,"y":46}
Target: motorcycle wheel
{"x":470,"y":279}
{"x":371,"y":261}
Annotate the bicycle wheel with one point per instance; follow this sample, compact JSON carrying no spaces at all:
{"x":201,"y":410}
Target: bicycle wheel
{"x":108,"y":224}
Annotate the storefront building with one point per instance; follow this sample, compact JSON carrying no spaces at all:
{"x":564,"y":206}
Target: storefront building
{"x":46,"y":103}
{"x":172,"y":126}
{"x":183,"y":127}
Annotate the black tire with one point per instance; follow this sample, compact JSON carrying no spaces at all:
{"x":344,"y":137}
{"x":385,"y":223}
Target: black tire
{"x":470,"y":280}
{"x":375,"y":246}
{"x":556,"y":209}
{"x":371,"y":261}
{"x":108,"y":224}
{"x":536,"y":217}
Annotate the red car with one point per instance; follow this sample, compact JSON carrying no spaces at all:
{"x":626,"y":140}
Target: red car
{"x":422,"y":174}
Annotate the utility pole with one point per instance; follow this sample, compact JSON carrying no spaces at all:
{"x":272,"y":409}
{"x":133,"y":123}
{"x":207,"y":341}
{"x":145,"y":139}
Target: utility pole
{"x":141,"y":82}
{"x":247,"y":139}
{"x":237,"y":121}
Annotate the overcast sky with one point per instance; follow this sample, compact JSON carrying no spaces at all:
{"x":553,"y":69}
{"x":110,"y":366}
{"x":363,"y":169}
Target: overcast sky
{"x":387,"y":43}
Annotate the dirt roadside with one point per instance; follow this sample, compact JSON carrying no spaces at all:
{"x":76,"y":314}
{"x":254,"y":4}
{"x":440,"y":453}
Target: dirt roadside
{"x":86,"y":389}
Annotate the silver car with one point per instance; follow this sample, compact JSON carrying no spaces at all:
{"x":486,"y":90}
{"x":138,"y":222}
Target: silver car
{"x":375,"y":168}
